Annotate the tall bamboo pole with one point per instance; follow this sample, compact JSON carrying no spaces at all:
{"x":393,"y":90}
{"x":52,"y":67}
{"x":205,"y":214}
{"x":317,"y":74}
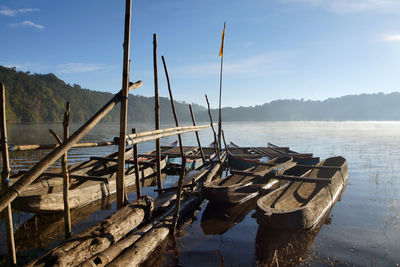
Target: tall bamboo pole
{"x":5,"y":173}
{"x":30,"y":176}
{"x":220,"y":89}
{"x":197,"y":135}
{"x":173,"y":105}
{"x":67,"y":213}
{"x":136,"y":162}
{"x":121,"y":196}
{"x":157,"y":113}
{"x":212,"y":127}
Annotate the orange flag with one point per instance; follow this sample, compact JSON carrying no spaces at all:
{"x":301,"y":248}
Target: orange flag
{"x":221,"y":51}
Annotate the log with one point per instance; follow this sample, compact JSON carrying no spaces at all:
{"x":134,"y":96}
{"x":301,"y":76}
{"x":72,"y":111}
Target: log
{"x":13,"y":192}
{"x":99,"y":237}
{"x":139,"y":251}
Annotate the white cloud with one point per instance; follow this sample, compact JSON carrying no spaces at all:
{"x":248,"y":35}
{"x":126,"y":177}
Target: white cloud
{"x":13,"y":12}
{"x":27,"y":24}
{"x":248,"y":44}
{"x":262,"y":64}
{"x":391,"y":38}
{"x":81,"y":67}
{"x":353,"y":6}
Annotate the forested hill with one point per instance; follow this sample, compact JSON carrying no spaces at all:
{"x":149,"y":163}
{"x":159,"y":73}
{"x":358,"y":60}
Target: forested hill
{"x":42,"y":98}
{"x":346,"y":108}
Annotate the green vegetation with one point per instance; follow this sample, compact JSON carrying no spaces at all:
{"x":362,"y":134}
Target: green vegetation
{"x":42,"y":98}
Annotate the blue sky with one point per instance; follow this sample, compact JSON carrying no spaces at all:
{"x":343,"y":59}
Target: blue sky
{"x":274,"y":49}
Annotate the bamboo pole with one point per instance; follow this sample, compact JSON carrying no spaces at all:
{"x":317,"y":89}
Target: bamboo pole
{"x":178,"y":196}
{"x":65,"y":175}
{"x":67,"y":213}
{"x":121,"y":196}
{"x":5,"y":173}
{"x":197,"y":135}
{"x":212,"y":127}
{"x":223,"y":138}
{"x":50,"y":158}
{"x":52,"y":146}
{"x":157,"y":112}
{"x":136,"y":163}
{"x":220,"y":90}
{"x":172,"y":104}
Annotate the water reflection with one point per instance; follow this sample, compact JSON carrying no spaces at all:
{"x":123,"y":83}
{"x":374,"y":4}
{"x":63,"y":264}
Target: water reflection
{"x":219,"y":218}
{"x":285,"y":248}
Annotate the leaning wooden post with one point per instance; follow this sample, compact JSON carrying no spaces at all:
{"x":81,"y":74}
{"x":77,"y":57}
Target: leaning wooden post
{"x":212,"y":127}
{"x":197,"y":135}
{"x":173,"y":106}
{"x":178,"y":196}
{"x":27,"y":178}
{"x":157,"y":113}
{"x":5,"y":173}
{"x":121,"y":196}
{"x":223,"y":138}
{"x":136,"y":162}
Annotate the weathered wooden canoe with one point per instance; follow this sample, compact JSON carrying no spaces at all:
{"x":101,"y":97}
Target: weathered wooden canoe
{"x":240,"y":186}
{"x":91,"y":180}
{"x":241,"y":158}
{"x":305,"y":200}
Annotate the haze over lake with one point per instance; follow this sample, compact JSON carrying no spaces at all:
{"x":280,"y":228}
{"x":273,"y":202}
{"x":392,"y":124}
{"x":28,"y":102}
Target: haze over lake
{"x":364,"y":224}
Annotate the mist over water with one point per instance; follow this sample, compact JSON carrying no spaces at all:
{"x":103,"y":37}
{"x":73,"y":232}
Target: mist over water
{"x":364,"y":228}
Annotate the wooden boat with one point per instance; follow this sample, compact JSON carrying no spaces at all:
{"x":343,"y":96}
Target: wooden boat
{"x":305,"y":200}
{"x":90,"y":180}
{"x":241,"y":158}
{"x":240,"y":186}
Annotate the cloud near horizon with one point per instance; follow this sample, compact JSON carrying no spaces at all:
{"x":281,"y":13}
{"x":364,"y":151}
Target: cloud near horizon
{"x":13,"y":12}
{"x":27,"y":24}
{"x":262,"y":64}
{"x":353,"y":6}
{"x":391,"y":38}
{"x":77,"y":67}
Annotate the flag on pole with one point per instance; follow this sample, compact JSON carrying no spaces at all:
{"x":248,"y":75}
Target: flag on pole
{"x":221,"y":51}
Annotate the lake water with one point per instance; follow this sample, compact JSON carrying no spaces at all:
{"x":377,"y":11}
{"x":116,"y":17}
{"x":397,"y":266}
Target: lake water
{"x":363,"y":228}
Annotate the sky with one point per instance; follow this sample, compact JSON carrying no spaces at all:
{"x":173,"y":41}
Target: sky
{"x":274,"y":49}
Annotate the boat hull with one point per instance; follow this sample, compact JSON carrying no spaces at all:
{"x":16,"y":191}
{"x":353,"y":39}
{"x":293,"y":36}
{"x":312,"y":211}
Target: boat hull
{"x":301,"y":205}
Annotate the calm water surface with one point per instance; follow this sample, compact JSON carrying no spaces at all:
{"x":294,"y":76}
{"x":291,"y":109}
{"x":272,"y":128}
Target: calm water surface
{"x":363,"y":227}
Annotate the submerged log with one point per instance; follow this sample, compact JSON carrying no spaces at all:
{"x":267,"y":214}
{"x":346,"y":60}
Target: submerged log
{"x":97,"y":238}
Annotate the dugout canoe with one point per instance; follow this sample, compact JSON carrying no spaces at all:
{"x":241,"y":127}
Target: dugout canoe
{"x":240,"y":186}
{"x":304,"y":200}
{"x":241,"y":158}
{"x":91,"y":180}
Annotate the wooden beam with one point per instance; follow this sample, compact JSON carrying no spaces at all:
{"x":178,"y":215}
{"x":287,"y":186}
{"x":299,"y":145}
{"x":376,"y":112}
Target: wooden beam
{"x":9,"y":195}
